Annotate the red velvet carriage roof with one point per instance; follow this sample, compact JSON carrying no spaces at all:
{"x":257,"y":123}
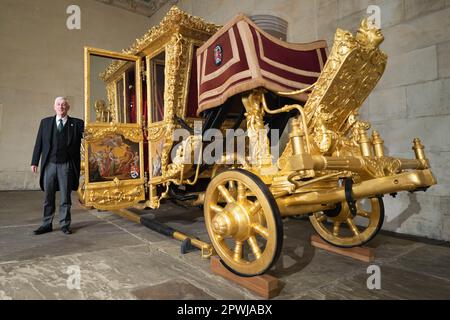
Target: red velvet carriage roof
{"x":241,"y":57}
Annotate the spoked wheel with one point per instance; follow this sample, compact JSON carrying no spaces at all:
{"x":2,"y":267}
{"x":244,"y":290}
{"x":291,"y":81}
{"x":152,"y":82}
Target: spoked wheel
{"x":341,"y":229}
{"x":243,"y":222}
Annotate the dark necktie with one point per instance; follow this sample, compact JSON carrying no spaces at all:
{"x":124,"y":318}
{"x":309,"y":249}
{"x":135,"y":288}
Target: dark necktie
{"x":60,"y":126}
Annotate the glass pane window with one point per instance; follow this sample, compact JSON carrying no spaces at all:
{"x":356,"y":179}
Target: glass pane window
{"x":157,"y":66}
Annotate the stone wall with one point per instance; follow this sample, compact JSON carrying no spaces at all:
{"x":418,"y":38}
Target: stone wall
{"x":41,"y":59}
{"x":411,"y":100}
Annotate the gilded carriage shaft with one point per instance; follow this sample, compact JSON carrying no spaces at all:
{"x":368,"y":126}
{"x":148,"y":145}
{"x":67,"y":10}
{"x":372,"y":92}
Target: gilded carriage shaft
{"x":190,"y":75}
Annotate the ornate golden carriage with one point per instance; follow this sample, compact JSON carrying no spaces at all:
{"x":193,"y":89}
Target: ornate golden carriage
{"x":186,"y":73}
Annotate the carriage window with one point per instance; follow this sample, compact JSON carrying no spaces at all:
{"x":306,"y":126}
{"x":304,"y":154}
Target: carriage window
{"x":130,"y":96}
{"x":112,"y":90}
{"x":157,"y":65}
{"x":120,"y":101}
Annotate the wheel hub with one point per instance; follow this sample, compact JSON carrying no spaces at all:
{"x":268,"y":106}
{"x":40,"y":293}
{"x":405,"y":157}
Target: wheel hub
{"x":343,"y":215}
{"x":233,"y":221}
{"x":223,"y":225}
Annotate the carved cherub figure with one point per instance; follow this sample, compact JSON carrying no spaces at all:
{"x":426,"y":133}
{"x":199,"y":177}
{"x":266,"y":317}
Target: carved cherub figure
{"x":101,"y":111}
{"x":256,"y":131}
{"x":323,"y":137}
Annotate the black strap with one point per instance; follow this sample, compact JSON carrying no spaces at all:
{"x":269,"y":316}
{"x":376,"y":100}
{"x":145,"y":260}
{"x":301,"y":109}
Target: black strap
{"x":184,"y":124}
{"x":349,"y":197}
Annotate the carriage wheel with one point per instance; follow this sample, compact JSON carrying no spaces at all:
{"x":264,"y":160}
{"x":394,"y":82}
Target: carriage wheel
{"x":243,"y":222}
{"x":341,"y":229}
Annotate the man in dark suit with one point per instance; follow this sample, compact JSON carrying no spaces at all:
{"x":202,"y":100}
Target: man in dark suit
{"x":58,"y":145}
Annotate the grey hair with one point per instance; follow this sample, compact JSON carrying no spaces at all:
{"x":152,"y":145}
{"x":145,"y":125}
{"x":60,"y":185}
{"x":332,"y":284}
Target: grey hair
{"x":62,"y":98}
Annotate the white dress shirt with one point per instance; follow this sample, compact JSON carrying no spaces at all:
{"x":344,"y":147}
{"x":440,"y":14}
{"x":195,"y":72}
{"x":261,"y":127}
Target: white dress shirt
{"x":63,"y":119}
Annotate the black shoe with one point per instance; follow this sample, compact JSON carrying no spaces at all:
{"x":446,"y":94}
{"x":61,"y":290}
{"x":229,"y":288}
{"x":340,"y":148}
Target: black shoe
{"x":43,"y":229}
{"x":66,"y":230}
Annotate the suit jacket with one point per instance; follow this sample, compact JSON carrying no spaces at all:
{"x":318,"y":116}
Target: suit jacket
{"x":44,"y":141}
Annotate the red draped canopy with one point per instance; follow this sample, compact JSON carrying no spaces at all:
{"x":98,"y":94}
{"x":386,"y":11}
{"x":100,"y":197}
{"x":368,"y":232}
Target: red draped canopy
{"x":241,"y":57}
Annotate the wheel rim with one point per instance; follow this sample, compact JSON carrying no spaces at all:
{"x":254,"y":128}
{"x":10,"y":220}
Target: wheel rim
{"x":243,"y":222}
{"x":354,"y":233}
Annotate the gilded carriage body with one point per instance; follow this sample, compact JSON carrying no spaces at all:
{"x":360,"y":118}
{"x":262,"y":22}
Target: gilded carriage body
{"x":187,"y":75}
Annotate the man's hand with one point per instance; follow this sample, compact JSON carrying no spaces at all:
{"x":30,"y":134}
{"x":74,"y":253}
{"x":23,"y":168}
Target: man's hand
{"x":34,"y":169}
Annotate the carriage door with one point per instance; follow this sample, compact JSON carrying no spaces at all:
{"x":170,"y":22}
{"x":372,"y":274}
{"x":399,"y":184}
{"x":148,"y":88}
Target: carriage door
{"x":113,"y":142}
{"x":157,"y":128}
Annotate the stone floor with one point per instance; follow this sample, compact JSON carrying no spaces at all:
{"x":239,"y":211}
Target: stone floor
{"x":119,"y":259}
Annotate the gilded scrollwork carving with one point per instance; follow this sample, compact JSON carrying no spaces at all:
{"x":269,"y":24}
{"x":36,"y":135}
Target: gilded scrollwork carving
{"x":177,"y":63}
{"x":111,"y":94}
{"x":115,"y":197}
{"x":352,"y":70}
{"x":381,"y":167}
{"x":154,"y":202}
{"x":155,"y":133}
{"x":82,"y":184}
{"x":174,"y":20}
{"x":93,"y":133}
